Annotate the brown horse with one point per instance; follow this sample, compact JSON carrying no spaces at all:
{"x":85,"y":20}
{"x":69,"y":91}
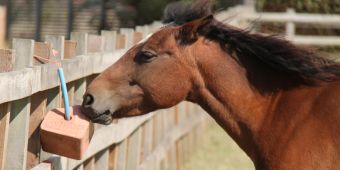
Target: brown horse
{"x":279,"y":102}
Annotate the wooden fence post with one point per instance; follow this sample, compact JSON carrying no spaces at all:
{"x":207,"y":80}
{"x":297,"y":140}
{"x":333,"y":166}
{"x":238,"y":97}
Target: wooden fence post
{"x":82,"y":40}
{"x":20,"y":112}
{"x":134,"y":150}
{"x":109,"y":41}
{"x":54,"y":95}
{"x":290,"y":26}
{"x":82,"y":45}
{"x":7,"y":58}
{"x":128,"y":33}
{"x":95,"y":43}
{"x":113,"y":152}
{"x":121,"y":155}
{"x":102,"y":160}
{"x":2,"y":26}
{"x":37,"y":111}
{"x":57,"y":43}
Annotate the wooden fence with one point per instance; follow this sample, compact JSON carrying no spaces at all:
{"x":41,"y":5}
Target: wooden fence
{"x":29,"y":89}
{"x":243,"y":16}
{"x":2,"y":26}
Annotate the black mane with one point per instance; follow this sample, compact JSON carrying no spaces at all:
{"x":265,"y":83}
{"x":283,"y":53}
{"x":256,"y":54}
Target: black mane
{"x":274,"y":52}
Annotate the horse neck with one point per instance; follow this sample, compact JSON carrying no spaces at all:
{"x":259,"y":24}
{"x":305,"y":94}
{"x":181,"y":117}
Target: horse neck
{"x":224,"y":91}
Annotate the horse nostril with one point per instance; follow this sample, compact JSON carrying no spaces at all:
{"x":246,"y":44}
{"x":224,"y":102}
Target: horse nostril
{"x":88,"y":100}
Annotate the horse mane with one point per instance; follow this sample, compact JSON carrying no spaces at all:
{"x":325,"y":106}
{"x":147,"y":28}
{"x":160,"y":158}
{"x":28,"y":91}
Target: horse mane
{"x":275,"y":52}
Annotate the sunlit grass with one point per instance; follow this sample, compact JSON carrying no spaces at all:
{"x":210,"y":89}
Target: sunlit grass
{"x":218,"y":152}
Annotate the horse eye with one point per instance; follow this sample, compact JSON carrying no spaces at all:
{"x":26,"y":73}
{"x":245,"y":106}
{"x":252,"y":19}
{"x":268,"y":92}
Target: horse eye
{"x":145,"y":57}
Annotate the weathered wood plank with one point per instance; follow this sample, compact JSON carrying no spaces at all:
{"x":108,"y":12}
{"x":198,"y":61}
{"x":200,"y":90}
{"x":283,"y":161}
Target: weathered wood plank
{"x":95,"y":43}
{"x":102,"y":160}
{"x":147,"y":136}
{"x":70,"y":49}
{"x":53,"y":98}
{"x":137,"y":37}
{"x":89,"y":164}
{"x":121,"y":41}
{"x":45,"y":76}
{"x":4,"y":124}
{"x":79,"y":90}
{"x":70,"y":93}
{"x":121,"y":157}
{"x":20,"y":111}
{"x":2,"y":26}
{"x":109,"y":40}
{"x":18,"y":134}
{"x":172,"y":157}
{"x":7,"y":58}
{"x":143,"y":29}
{"x":37,"y":111}
{"x":80,"y":167}
{"x":24,"y":49}
{"x":43,"y":50}
{"x":57,"y":43}
{"x":82,"y":40}
{"x":133,"y":150}
{"x":172,"y":137}
{"x":128,"y":32}
{"x":113,"y":152}
{"x":43,"y":166}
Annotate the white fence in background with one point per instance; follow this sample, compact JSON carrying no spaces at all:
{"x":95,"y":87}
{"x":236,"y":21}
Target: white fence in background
{"x":242,"y":16}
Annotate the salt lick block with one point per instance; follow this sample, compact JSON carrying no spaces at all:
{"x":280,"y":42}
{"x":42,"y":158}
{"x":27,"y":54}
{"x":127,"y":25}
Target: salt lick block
{"x":67,"y":138}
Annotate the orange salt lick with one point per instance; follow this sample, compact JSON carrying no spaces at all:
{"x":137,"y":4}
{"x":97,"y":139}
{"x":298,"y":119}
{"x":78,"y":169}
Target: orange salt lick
{"x":67,"y":138}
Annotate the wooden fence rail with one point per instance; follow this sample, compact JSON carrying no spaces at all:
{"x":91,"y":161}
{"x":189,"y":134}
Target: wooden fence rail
{"x":30,"y":88}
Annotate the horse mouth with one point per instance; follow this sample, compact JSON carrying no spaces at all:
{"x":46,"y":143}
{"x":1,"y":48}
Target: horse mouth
{"x":102,"y":118}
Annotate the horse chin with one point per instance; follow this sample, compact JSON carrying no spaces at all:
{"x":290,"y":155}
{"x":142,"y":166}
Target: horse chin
{"x":104,"y":119}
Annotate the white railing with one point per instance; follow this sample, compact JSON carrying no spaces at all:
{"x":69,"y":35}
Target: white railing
{"x":243,"y":17}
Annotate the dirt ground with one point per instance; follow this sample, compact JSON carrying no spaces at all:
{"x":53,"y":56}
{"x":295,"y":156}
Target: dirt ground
{"x":218,"y":152}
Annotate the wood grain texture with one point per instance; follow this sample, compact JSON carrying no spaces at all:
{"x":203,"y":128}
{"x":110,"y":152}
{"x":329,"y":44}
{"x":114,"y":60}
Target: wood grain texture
{"x":24,"y":49}
{"x":95,"y":43}
{"x":57,"y":43}
{"x":70,"y":49}
{"x":173,"y":137}
{"x":121,"y":157}
{"x":89,"y":164}
{"x":2,"y":26}
{"x":43,"y":50}
{"x":18,"y":134}
{"x":37,"y":112}
{"x":45,"y":76}
{"x":4,"y":124}
{"x":121,"y":41}
{"x":82,"y":42}
{"x":102,"y":160}
{"x":109,"y":40}
{"x":134,"y":150}
{"x":137,"y":37}
{"x":128,"y":33}
{"x":113,"y":152}
{"x":7,"y":58}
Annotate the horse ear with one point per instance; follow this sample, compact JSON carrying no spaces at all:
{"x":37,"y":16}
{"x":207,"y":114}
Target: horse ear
{"x":190,"y":31}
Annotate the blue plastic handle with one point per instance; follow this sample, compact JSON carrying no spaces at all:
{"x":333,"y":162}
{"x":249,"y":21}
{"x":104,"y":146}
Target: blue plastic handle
{"x":64,"y":91}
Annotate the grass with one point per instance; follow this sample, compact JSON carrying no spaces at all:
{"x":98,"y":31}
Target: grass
{"x":218,"y":152}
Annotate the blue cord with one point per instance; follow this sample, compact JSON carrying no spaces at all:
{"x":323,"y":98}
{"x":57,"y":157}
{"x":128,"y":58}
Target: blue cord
{"x":64,"y":91}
